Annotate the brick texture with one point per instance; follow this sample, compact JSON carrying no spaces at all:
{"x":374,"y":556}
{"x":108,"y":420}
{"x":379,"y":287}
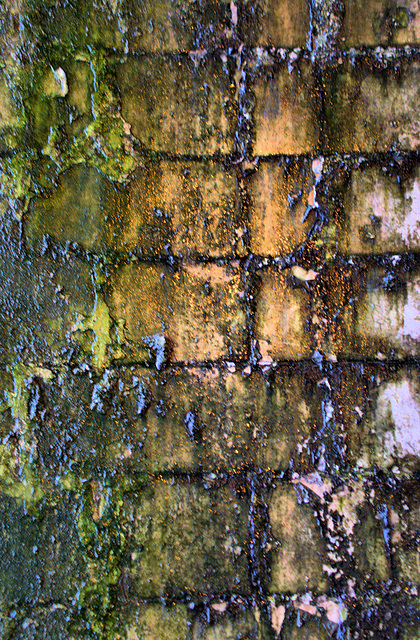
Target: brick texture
{"x":178,"y":106}
{"x":209,"y":320}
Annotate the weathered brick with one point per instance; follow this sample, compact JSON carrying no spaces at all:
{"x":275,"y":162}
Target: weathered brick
{"x":370,"y":550}
{"x":402,"y":510}
{"x":282,"y":312}
{"x":77,"y":24}
{"x":381,"y":412}
{"x":279,"y":194}
{"x":380,"y":213}
{"x":177,"y":26}
{"x":84,"y":209}
{"x":381,"y":22}
{"x":285,"y":114}
{"x":243,"y":625}
{"x":11,"y":128}
{"x":151,"y":621}
{"x":195,"y":313}
{"x":287,"y":410}
{"x":195,"y":424}
{"x":297,"y":562}
{"x":205,"y":420}
{"x":378,"y":107}
{"x":378,"y":313}
{"x":185,"y":208}
{"x":411,"y":632}
{"x":186,"y":539}
{"x":276,"y":24}
{"x":177,"y":106}
{"x":306,"y":629}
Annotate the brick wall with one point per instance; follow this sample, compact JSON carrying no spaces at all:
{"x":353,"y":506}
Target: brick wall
{"x":210,"y":320}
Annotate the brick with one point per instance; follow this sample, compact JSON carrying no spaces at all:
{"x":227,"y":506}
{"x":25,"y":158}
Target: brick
{"x":285,"y":114}
{"x":206,"y":420}
{"x":81,"y":23}
{"x":305,"y":630}
{"x":282,"y":312}
{"x":197,"y":311}
{"x":11,"y":128}
{"x":403,"y":515}
{"x":280,"y":218}
{"x":381,"y":412}
{"x":370,"y":552}
{"x":84,"y":209}
{"x":411,"y":632}
{"x":297,"y":561}
{"x":151,"y":621}
{"x":177,"y":106}
{"x":185,"y":208}
{"x":42,"y":302}
{"x":277,"y":24}
{"x":378,"y":314}
{"x":287,"y":411}
{"x":170,"y":26}
{"x":381,"y":22}
{"x":184,"y":538}
{"x":379,"y":109}
{"x":195,"y":424}
{"x":380,"y":213}
{"x":243,"y":625}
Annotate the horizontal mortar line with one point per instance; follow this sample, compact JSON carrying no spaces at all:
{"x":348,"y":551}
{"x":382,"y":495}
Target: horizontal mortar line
{"x":398,"y":363}
{"x":198,"y":598}
{"x":405,"y":260}
{"x":390,"y":54}
{"x":151,"y":157}
{"x":110,"y":259}
{"x":395,"y":155}
{"x":222,"y":363}
{"x":230,"y":51}
{"x":218,"y":475}
{"x":277,"y":366}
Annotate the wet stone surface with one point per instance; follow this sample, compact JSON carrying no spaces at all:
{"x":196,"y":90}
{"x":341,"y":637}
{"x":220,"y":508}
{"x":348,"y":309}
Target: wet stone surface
{"x":209,"y":320}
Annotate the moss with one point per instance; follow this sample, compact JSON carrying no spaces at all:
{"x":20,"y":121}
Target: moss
{"x":19,"y":477}
{"x":65,"y":111}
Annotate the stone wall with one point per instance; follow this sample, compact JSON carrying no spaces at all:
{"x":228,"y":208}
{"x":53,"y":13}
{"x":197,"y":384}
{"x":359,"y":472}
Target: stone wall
{"x":210,"y":320}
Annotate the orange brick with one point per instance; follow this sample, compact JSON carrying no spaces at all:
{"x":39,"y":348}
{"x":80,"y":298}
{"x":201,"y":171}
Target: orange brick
{"x":286,"y":111}
{"x":282,"y":313}
{"x":184,"y":208}
{"x":277,"y":23}
{"x":279,"y":195}
{"x":381,"y":22}
{"x":196,"y":312}
{"x":379,"y":109}
{"x":177,"y":106}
